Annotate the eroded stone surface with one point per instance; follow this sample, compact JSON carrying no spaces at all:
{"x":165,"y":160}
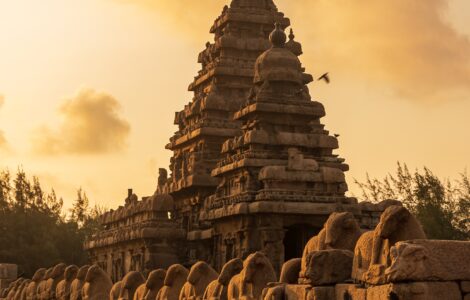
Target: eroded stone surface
{"x":328,"y":267}
{"x":350,"y":292}
{"x":429,"y":260}
{"x":415,"y":291}
{"x":372,"y":252}
{"x":465,"y":286}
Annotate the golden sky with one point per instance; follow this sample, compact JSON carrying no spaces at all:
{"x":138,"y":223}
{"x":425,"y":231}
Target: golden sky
{"x":88,"y":88}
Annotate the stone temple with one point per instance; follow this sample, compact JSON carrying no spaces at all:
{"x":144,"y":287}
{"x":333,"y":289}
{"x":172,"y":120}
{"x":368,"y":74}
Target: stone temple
{"x":253,"y":168}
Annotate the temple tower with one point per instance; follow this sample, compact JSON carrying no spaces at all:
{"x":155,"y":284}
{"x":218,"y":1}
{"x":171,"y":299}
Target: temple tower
{"x":253,"y":168}
{"x":279,"y":178}
{"x":223,"y":84}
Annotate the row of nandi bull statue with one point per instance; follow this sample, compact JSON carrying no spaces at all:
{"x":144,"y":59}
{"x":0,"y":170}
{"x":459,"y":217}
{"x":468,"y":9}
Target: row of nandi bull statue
{"x":342,"y":253}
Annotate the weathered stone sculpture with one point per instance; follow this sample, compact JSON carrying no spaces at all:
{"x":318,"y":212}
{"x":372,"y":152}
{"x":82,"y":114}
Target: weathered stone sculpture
{"x":175,"y":278}
{"x":20,"y":291}
{"x":97,"y":284}
{"x":373,"y":250}
{"x":429,"y":260}
{"x":31,"y":290}
{"x":63,"y":288}
{"x":200,"y":276}
{"x":42,"y":286}
{"x":256,"y":274}
{"x":341,"y":231}
{"x":289,"y":275}
{"x":328,"y":267}
{"x":362,"y":256}
{"x":217,"y":289}
{"x":290,"y":271}
{"x":56,"y":276}
{"x":13,"y":288}
{"x":77,"y":283}
{"x":149,"y":290}
{"x":130,"y":283}
{"x":115,"y":291}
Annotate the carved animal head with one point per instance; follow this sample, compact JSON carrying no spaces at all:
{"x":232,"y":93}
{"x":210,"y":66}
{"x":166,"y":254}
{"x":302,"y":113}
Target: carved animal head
{"x":391,"y":219}
{"x":407,"y":259}
{"x":58,"y":270}
{"x":82,"y":272}
{"x":130,"y":283}
{"x":115,"y":291}
{"x":175,"y":272}
{"x":254,"y":263}
{"x":230,"y":269}
{"x":70,"y":272}
{"x":155,"y":279}
{"x":315,"y":264}
{"x":39,"y":275}
{"x":338,"y":226}
{"x":93,"y":273}
{"x":48,"y":274}
{"x":199,"y":270}
{"x":290,"y":271}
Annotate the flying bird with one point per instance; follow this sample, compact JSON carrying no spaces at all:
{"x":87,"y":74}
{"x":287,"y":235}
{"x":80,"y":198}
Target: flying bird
{"x":325,"y":77}
{"x":336,"y":135}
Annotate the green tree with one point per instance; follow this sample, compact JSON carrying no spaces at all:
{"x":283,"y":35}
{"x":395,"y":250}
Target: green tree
{"x":79,"y":211}
{"x":440,"y":206}
{"x":34,"y":231}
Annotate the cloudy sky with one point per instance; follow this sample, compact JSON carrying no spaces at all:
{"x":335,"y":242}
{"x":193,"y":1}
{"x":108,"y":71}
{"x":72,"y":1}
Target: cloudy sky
{"x":88,"y":88}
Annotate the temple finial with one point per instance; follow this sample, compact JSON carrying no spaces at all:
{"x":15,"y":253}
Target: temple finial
{"x":291,"y":35}
{"x":278,"y":36}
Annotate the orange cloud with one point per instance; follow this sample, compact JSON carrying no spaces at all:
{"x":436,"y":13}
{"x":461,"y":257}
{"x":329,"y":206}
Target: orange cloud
{"x":91,"y":124}
{"x":406,"y":46}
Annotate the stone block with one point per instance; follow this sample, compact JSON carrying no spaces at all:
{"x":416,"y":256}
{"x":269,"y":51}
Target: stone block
{"x":321,"y":293}
{"x":328,"y":267}
{"x":8,"y":271}
{"x":415,"y":291}
{"x":429,"y":260}
{"x":296,"y":291}
{"x":465,"y":286}
{"x":4,"y":283}
{"x":350,"y":291}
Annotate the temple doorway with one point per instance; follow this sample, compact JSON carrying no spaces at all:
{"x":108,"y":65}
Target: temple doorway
{"x":295,"y":238}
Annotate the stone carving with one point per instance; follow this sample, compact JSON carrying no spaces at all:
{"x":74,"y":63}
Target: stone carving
{"x":176,"y":276}
{"x":200,"y":275}
{"x":149,"y":290}
{"x":115,"y":291}
{"x":396,"y":224}
{"x":429,"y":260}
{"x":327,"y":267}
{"x":129,"y":285}
{"x":56,"y":276}
{"x":256,"y":274}
{"x":97,"y":284}
{"x":41,"y":289}
{"x":362,"y":256}
{"x":63,"y":288}
{"x":341,"y":231}
{"x":21,"y":289}
{"x":31,"y":290}
{"x":290,"y":271}
{"x":77,"y":283}
{"x":416,"y":291}
{"x":289,"y":275}
{"x":13,"y":288}
{"x":217,"y":289}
